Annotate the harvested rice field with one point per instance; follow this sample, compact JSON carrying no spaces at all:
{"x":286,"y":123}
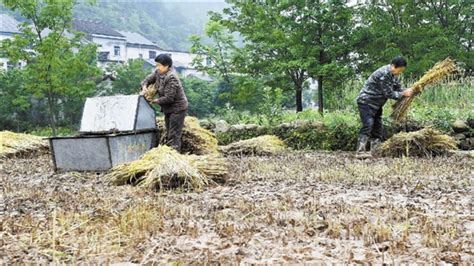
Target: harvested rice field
{"x":294,"y":208}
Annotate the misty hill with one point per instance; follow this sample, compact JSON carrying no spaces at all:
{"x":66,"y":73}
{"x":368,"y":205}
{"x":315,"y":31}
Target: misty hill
{"x":168,"y":24}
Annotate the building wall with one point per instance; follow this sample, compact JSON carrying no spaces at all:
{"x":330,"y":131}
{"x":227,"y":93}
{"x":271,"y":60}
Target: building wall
{"x":134,"y":52}
{"x":182,"y":58}
{"x":4,"y":61}
{"x":106,"y":44}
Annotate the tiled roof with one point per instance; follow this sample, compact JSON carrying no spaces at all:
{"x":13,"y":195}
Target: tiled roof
{"x":136,"y":38}
{"x":94,"y":27}
{"x":8,"y":24}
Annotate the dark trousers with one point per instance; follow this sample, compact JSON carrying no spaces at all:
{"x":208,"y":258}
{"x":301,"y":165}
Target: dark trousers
{"x":174,"y":123}
{"x":371,"y":121}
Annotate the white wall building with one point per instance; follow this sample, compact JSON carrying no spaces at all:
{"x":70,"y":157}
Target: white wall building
{"x":8,"y":28}
{"x":111,"y":45}
{"x":139,"y":46}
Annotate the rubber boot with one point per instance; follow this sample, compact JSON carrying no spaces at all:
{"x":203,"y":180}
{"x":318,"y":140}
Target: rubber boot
{"x":375,"y":147}
{"x":362,"y":148}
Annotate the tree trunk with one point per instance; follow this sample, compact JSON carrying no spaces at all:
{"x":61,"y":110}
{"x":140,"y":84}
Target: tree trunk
{"x":320,"y":95}
{"x":52,"y":115}
{"x":299,"y":98}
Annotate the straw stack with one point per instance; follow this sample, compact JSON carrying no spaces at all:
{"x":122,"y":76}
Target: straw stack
{"x":164,"y":168}
{"x":423,"y":143}
{"x":260,"y":146}
{"x":12,"y":144}
{"x":440,"y":71}
{"x":195,"y":139}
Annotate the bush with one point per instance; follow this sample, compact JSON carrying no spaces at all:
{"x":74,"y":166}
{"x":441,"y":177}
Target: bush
{"x":334,"y":131}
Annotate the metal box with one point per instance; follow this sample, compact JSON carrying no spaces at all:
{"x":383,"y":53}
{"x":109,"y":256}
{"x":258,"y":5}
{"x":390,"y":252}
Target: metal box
{"x":125,"y":113}
{"x":99,"y":152}
{"x":114,"y":130}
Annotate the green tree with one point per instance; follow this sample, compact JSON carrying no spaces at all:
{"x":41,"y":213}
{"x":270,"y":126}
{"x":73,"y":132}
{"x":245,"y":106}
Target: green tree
{"x":216,"y":57}
{"x":127,"y":77}
{"x":15,"y":100}
{"x":423,"y":31}
{"x":201,"y":95}
{"x":290,"y":41}
{"x":59,"y":65}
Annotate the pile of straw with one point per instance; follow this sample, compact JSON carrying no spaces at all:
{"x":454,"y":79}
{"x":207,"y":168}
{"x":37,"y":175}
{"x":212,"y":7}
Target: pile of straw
{"x":163,"y":167}
{"x":195,"y":140}
{"x":149,"y":92}
{"x":440,"y":71}
{"x":12,"y":144}
{"x":423,"y":143}
{"x":260,"y":146}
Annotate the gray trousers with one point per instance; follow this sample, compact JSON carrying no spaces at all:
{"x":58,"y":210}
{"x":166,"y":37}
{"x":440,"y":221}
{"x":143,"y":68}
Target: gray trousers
{"x":174,"y":123}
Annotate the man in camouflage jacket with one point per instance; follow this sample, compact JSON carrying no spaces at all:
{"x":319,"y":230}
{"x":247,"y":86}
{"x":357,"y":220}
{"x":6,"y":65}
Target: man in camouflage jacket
{"x":171,"y":98}
{"x":381,"y":85}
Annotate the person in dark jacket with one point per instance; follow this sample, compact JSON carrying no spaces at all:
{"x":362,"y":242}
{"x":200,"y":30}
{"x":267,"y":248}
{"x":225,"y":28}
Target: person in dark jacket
{"x":381,"y":85}
{"x":171,"y":98}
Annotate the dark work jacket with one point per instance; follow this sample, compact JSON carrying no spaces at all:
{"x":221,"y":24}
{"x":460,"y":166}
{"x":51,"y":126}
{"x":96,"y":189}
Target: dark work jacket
{"x":171,"y":96}
{"x":379,"y":87}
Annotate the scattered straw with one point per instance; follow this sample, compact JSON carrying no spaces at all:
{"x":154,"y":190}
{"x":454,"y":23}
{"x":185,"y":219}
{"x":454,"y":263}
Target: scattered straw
{"x":149,"y":92}
{"x":163,"y":167}
{"x":440,"y":71}
{"x":195,"y":140}
{"x":263,"y":145}
{"x":17,"y":143}
{"x":426,"y":142}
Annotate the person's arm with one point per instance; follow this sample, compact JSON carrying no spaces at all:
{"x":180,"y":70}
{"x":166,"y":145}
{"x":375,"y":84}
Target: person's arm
{"x":408,"y":92}
{"x":388,"y":89}
{"x":397,"y":86}
{"x":169,"y":92}
{"x":150,"y":79}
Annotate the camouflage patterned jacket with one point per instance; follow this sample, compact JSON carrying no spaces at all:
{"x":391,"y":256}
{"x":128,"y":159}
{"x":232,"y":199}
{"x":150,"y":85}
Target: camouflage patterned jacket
{"x":170,"y":91}
{"x":379,"y":87}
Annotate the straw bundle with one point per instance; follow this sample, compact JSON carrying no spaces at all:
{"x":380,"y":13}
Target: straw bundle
{"x":263,"y":145}
{"x":195,"y":140}
{"x":437,"y":73}
{"x":426,"y":142}
{"x":17,"y":143}
{"x":163,"y":167}
{"x":213,"y":166}
{"x":149,"y":92}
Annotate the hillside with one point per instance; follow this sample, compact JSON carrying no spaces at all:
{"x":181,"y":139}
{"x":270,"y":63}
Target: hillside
{"x":168,"y":24}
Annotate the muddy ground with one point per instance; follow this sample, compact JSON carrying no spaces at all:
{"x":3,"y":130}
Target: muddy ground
{"x":302,"y":207}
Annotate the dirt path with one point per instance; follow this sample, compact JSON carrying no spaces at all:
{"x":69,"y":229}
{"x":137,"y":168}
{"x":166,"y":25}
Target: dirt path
{"x":304,"y":207}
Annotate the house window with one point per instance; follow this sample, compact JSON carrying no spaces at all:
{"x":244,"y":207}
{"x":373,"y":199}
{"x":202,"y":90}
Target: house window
{"x":208,"y":61}
{"x":10,"y":65}
{"x":117,"y":50}
{"x":103,"y":56}
{"x":151,"y":54}
{"x":140,"y":55}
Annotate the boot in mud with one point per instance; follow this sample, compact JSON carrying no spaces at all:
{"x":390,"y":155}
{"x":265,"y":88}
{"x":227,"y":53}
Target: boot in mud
{"x":375,"y":147}
{"x":362,"y":148}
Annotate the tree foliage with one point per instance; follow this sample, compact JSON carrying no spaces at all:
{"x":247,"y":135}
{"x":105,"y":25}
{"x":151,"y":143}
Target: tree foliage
{"x":60,"y":68}
{"x":289,"y":42}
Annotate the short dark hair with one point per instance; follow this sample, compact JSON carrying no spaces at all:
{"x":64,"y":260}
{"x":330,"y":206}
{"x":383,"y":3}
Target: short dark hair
{"x":399,"y":62}
{"x":164,"y":59}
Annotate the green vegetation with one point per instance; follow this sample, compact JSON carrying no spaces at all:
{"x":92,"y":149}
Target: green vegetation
{"x":61,"y":70}
{"x":261,"y":57}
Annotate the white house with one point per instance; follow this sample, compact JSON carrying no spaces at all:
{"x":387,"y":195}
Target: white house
{"x":111,"y":45}
{"x":8,"y":28}
{"x":139,"y":46}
